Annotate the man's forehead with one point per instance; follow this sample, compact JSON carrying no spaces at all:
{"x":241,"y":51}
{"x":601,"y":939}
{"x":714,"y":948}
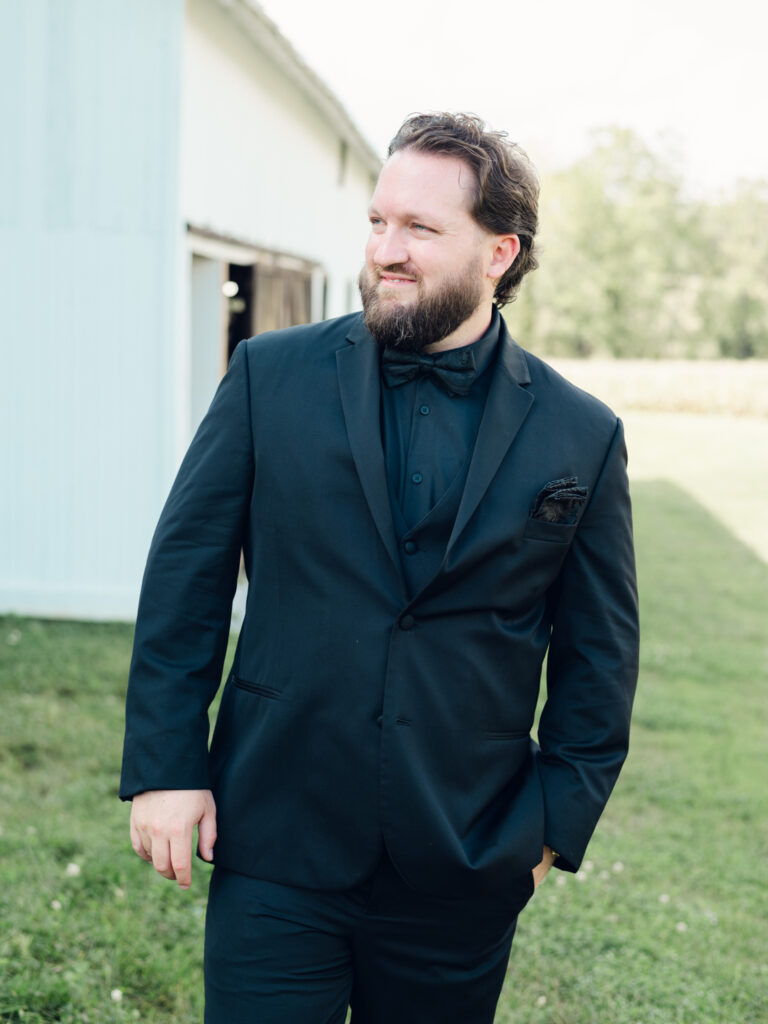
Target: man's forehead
{"x":431,"y":180}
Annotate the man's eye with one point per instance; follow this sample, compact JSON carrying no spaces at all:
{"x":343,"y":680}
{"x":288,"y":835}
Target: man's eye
{"x":421,"y":227}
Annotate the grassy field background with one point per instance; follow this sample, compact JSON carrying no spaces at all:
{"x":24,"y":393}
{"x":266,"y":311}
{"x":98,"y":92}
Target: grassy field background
{"x":702,"y":426}
{"x":668,"y":920}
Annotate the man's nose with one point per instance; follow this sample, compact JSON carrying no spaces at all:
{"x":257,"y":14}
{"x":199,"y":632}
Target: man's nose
{"x":389,"y":249}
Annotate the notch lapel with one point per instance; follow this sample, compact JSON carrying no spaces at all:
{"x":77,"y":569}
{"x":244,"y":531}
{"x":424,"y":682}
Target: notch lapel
{"x":506,"y":408}
{"x":359,"y":385}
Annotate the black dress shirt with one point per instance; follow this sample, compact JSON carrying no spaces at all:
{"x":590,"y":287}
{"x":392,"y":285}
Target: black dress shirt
{"x":429,"y":435}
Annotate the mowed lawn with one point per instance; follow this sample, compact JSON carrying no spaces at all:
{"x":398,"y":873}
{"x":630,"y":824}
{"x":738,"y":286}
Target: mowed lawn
{"x":667,"y":922}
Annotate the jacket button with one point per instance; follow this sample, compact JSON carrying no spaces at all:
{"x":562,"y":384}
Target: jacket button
{"x":379,"y":720}
{"x":410,"y":547}
{"x":407,"y":622}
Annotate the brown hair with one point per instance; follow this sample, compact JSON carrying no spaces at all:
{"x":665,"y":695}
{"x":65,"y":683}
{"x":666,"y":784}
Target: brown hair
{"x":507,"y":188}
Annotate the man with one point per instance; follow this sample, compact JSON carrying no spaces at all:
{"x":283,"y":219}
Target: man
{"x":424,"y":511}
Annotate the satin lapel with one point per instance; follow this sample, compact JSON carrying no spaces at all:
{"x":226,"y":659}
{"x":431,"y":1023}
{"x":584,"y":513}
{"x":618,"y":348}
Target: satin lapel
{"x":506,"y":408}
{"x":358,"y":370}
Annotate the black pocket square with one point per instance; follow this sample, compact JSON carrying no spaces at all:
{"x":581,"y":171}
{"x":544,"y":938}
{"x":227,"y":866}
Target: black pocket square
{"x":559,"y":501}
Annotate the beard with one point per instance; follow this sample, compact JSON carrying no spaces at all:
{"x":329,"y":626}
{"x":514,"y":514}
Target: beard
{"x":429,"y":318}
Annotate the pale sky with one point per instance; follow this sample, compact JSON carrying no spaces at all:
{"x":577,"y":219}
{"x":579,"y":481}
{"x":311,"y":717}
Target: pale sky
{"x":690,"y":77}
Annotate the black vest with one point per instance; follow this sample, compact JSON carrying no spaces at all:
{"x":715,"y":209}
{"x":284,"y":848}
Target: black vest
{"x":422,"y":546}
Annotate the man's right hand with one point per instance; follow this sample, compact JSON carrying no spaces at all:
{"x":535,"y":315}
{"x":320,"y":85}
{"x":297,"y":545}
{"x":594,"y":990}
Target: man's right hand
{"x":162,"y":823}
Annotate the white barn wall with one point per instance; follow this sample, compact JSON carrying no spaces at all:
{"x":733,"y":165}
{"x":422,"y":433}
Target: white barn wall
{"x":89,"y":236}
{"x":260,"y":163}
{"x":121,"y":123}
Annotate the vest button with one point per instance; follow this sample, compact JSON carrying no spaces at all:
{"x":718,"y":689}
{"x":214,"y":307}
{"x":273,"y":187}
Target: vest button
{"x":379,"y":720}
{"x":407,"y":622}
{"x":410,"y":547}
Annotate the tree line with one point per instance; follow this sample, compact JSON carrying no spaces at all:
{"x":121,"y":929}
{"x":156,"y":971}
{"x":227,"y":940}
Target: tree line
{"x":632,"y":267}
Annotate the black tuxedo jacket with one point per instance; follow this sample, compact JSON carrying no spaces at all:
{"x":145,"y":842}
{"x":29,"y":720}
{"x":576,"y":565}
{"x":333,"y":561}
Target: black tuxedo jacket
{"x":354,"y":713}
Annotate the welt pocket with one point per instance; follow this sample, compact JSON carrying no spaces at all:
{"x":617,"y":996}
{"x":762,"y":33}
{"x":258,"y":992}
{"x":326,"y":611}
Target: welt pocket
{"x":506,"y":734}
{"x":260,"y":688}
{"x":540,"y":529}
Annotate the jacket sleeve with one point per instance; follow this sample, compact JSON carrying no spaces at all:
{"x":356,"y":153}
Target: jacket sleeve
{"x":185,"y":606}
{"x":592,"y":665}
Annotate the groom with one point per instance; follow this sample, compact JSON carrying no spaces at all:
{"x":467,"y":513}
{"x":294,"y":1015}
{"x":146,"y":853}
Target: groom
{"x":425,"y":511}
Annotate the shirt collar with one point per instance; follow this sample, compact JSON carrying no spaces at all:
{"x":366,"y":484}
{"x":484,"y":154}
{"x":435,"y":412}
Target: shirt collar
{"x":484,"y":349}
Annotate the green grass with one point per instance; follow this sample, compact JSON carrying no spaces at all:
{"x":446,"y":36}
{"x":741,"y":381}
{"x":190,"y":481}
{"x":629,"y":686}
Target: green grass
{"x":681,"y":933}
{"x":678,"y":934}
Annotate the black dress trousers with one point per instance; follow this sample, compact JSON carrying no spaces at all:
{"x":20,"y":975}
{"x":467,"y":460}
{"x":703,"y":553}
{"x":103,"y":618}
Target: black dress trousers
{"x":277,"y":954}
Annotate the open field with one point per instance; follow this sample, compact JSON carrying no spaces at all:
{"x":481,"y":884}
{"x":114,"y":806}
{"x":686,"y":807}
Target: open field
{"x":668,"y":922}
{"x":721,"y":461}
{"x":700,"y":425}
{"x":723,"y":386}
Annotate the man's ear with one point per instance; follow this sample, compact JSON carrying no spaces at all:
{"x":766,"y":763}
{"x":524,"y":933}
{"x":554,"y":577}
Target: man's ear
{"x":503,"y":255}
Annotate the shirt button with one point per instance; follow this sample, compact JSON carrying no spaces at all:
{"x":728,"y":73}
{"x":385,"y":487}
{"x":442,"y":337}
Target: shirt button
{"x":424,"y":410}
{"x":410,"y":547}
{"x":407,"y":622}
{"x":416,"y":478}
{"x":379,"y":720}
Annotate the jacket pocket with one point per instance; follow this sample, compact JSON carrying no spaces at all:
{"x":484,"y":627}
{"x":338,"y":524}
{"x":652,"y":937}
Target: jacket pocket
{"x":260,"y":688}
{"x":540,"y":529}
{"x":506,"y":734}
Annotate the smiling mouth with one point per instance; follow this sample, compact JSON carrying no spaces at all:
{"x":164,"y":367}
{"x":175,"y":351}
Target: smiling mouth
{"x":394,"y":281}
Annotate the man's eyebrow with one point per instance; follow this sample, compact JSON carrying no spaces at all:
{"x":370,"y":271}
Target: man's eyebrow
{"x":429,"y":220}
{"x":422,"y":218}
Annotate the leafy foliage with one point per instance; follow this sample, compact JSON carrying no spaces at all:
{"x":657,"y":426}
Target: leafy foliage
{"x":632,"y":267}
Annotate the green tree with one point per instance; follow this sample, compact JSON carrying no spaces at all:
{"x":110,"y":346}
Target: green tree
{"x":631,"y":267}
{"x":734,"y":305}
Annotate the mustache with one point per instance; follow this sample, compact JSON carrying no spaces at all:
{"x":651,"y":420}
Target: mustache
{"x":399,"y":268}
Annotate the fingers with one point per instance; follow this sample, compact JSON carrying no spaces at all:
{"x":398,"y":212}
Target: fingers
{"x":179,"y":853}
{"x":170,"y":852}
{"x":138,"y":843}
{"x":162,"y":822}
{"x":206,"y":833}
{"x":161,"y":857}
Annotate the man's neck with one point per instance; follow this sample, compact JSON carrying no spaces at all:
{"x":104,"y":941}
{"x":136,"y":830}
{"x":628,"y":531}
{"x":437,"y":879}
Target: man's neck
{"x":473,"y":328}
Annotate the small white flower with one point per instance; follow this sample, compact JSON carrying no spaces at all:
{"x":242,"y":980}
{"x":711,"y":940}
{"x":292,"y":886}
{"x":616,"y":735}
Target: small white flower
{"x":73,"y":870}
{"x":55,"y":905}
{"x":612,"y":918}
{"x":581,"y":876}
{"x":541,"y":1001}
{"x":560,"y":880}
{"x":119,"y":894}
{"x":664,"y":898}
{"x":116,"y":995}
{"x":13,"y":637}
{"x":589,"y":865}
{"x":681,"y":926}
{"x":604,"y":876}
{"x":618,"y":867}
{"x":31,"y":830}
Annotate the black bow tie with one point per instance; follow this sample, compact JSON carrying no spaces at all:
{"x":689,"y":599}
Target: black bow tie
{"x":454,"y":370}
